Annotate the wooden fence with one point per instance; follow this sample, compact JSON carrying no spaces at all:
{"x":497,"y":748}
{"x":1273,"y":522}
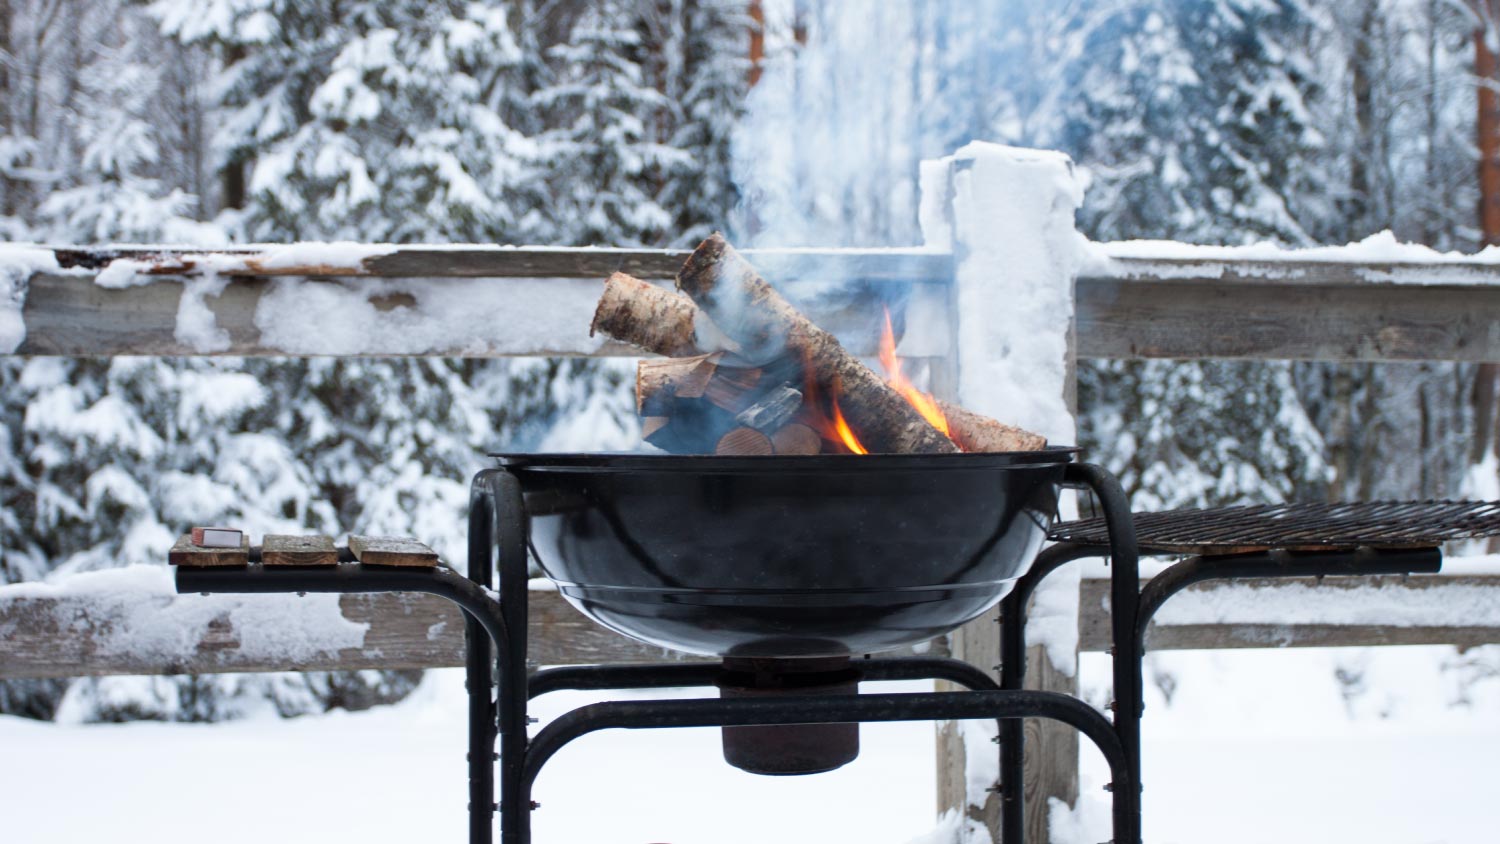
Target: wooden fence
{"x":1127,"y":307}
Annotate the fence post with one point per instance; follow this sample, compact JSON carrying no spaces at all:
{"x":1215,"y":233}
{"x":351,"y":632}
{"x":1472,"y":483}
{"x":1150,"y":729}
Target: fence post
{"x":1007,"y":215}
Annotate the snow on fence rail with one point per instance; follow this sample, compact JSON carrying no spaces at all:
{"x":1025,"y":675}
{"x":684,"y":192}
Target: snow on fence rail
{"x":130,"y":622}
{"x":1367,"y":302}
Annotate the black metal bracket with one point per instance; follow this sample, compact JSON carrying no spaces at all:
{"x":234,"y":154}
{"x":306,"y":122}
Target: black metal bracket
{"x":1131,"y":609}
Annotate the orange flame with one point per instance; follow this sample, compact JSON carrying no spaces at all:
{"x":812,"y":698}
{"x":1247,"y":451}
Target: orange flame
{"x":828,"y":419}
{"x":845,"y":433}
{"x":924,"y":403}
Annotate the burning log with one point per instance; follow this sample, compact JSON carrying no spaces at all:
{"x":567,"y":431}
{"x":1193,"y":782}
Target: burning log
{"x":975,"y":432}
{"x":766,"y":327}
{"x":660,"y":321}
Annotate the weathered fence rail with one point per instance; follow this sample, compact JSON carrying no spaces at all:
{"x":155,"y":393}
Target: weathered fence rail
{"x":1130,"y":306}
{"x":101,"y":633}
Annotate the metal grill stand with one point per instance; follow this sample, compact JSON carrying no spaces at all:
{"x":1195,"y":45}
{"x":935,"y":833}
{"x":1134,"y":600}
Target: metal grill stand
{"x":1132,"y":607}
{"x":498,"y":722}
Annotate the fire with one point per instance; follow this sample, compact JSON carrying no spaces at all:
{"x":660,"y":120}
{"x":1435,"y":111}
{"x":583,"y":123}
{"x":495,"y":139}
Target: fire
{"x":845,"y":433}
{"x":924,"y":403}
{"x":832,"y":424}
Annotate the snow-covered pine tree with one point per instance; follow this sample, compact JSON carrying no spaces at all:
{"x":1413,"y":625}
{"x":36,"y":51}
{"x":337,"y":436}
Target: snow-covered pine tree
{"x":604,"y":165}
{"x":375,"y":121}
{"x":1193,"y":120}
{"x":114,"y":190}
{"x":151,"y":446}
{"x":703,"y":73}
{"x":1399,"y":120}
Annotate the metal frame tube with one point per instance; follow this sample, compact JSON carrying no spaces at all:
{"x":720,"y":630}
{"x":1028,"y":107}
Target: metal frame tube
{"x":1136,"y":605}
{"x":671,"y":675}
{"x":349,"y":578}
{"x":927,"y":706}
{"x":1124,"y":595}
{"x":1013,"y":611}
{"x":496,"y":494}
{"x":1277,"y":563}
{"x":478,"y":677}
{"x":497,"y":523}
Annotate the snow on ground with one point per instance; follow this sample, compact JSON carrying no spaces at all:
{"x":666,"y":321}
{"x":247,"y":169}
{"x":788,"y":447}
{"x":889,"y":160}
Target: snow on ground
{"x":1255,"y":746}
{"x":179,"y":782}
{"x":1271,"y":745}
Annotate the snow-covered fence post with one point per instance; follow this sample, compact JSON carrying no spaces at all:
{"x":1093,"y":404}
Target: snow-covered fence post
{"x":1007,"y":215}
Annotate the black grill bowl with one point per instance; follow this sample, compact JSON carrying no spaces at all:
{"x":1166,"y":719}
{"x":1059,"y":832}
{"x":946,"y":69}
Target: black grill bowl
{"x":788,"y":556}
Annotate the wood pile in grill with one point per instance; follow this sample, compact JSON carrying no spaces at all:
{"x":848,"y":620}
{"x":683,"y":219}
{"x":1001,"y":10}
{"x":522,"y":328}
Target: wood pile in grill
{"x":743,"y":372}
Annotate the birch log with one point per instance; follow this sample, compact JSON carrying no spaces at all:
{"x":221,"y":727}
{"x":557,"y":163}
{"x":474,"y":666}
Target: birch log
{"x":751,"y":313}
{"x":656,"y":320}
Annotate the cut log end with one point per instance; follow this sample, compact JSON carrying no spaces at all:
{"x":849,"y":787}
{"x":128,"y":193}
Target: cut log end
{"x":797,"y":439}
{"x":744,"y":442}
{"x":659,"y":382}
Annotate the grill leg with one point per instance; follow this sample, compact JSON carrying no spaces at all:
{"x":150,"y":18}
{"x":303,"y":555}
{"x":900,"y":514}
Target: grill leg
{"x":497,"y":522}
{"x":478,"y":677}
{"x":1126,"y":655}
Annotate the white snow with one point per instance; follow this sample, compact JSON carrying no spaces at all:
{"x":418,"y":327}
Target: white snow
{"x":197,"y":327}
{"x":339,"y":254}
{"x":418,"y":316}
{"x":955,"y":828}
{"x":18,"y":263}
{"x":154,"y":624}
{"x":1293,"y":603}
{"x":1017,"y":251}
{"x":981,"y":759}
{"x":1017,"y":254}
{"x":124,"y":272}
{"x":1270,"y":745}
{"x":1384,"y":259}
{"x":1254,"y":746}
{"x":397,"y":775}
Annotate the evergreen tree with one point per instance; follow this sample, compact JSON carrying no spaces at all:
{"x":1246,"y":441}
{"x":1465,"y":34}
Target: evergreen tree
{"x":373,"y":121}
{"x":1193,"y":119}
{"x":704,"y":79}
{"x":601,"y":154}
{"x":1194,"y":122}
{"x":114,"y":193}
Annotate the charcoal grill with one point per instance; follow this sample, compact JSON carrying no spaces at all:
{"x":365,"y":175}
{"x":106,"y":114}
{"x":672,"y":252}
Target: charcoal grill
{"x":829,"y":560}
{"x":790,"y":557}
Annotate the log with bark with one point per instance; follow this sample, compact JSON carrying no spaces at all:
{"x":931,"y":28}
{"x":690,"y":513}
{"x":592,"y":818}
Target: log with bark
{"x":667,"y":323}
{"x":766,"y":327}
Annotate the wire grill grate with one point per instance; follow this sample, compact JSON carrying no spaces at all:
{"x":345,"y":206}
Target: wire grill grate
{"x":1375,"y":524}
